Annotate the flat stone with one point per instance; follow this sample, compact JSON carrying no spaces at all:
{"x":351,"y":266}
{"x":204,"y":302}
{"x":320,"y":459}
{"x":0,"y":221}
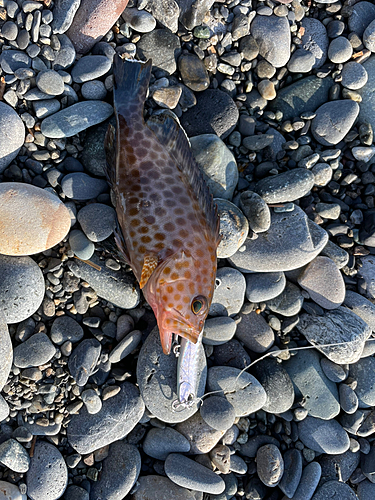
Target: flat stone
{"x":347,"y":462}
{"x":218,"y":330}
{"x":118,"y":416}
{"x":363,"y":373}
{"x":47,"y":477}
{"x":161,"y":488}
{"x":334,"y":372}
{"x":81,"y":186}
{"x":117,"y":287}
{"x":217,"y":164}
{"x":120,"y":472}
{"x":315,"y":40}
{"x":65,"y":328}
{"x":362,"y":14}
{"x":12,"y":135}
{"x":366,"y":489}
{"x":163,"y":47}
{"x":97,"y":221}
{"x":11,"y":60}
{"x":261,"y":287}
{"x":229,"y":293}
{"x":333,"y":488}
{"x":63,"y":14}
{"x":324,"y":282}
{"x":291,"y":242}
{"x":21,"y":287}
{"x":35,"y":351}
{"x":14,"y":456}
{"x":289,"y":302}
{"x":336,"y":326}
{"x":33,"y":220}
{"x":190,"y":474}
{"x":292,"y":472}
{"x":73,"y":119}
{"x":157,"y":380}
{"x":288,"y":186}
{"x":126,"y":346}
{"x":218,"y":413}
{"x":45,"y":107}
{"x":241,"y":389}
{"x":333,"y":121}
{"x":361,"y":306}
{"x":93,"y":155}
{"x":254,"y":331}
{"x":323,"y":436}
{"x":66,"y":55}
{"x":311,"y":385}
{"x":201,"y":436}
{"x":50,"y":82}
{"x":94,"y":89}
{"x":304,"y":95}
{"x":272,"y":35}
{"x":193,"y":72}
{"x":214,"y":113}
{"x":90,"y":67}
{"x":159,"y":443}
{"x":277,"y":384}
{"x":234,"y":228}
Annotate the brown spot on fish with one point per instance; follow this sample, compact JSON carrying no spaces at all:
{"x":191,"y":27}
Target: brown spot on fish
{"x":169,"y":226}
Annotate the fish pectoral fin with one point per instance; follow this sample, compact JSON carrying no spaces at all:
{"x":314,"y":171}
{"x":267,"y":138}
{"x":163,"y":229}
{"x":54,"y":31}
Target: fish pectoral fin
{"x":150,"y":263}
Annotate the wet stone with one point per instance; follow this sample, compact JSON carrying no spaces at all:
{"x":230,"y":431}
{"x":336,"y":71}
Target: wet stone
{"x":159,"y":443}
{"x":193,"y":72}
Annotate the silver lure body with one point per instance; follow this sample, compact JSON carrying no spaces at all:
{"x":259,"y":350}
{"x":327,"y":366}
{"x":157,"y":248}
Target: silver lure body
{"x":187,"y":371}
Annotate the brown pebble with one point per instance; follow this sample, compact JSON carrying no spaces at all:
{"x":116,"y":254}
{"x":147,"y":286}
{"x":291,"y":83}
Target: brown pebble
{"x":110,"y":391}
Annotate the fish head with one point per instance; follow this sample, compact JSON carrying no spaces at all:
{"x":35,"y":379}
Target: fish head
{"x":183,"y":291}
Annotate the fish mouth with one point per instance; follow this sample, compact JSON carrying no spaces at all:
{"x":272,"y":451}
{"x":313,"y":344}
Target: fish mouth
{"x":185,"y":330}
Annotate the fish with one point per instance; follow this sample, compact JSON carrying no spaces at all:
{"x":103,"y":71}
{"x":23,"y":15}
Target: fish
{"x":168,"y":224}
{"x":187,"y":373}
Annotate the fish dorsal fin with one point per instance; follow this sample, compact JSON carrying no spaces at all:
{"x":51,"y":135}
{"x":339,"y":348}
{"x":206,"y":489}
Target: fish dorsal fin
{"x":170,"y":134}
{"x":150,"y":263}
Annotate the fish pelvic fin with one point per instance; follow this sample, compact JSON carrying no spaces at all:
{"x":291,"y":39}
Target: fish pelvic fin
{"x":131,"y":79}
{"x":150,"y":263}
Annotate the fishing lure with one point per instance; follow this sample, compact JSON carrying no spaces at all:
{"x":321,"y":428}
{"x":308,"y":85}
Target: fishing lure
{"x":168,"y":226}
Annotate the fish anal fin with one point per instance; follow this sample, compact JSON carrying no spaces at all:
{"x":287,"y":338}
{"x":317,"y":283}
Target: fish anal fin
{"x":171,"y":135}
{"x":150,"y":263}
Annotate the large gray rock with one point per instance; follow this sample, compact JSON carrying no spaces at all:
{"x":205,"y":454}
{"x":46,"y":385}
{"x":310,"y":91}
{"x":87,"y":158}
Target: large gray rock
{"x":367,"y":111}
{"x":272,"y":34}
{"x":362,"y":14}
{"x":12,"y":135}
{"x":361,"y":306}
{"x":333,"y":121}
{"x":340,"y":326}
{"x":118,"y":416}
{"x":323,"y":436}
{"x":291,"y":242}
{"x":315,"y":40}
{"x":288,"y":186}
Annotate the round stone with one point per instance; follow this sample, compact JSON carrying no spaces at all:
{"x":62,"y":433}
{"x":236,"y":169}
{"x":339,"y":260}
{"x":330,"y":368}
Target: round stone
{"x":94,"y":89}
{"x":82,"y":247}
{"x":159,"y":443}
{"x":21,"y":287}
{"x":264,"y":286}
{"x":315,"y":40}
{"x":14,"y":456}
{"x":50,"y":82}
{"x":45,"y":107}
{"x":333,"y":120}
{"x":270,"y":465}
{"x":354,"y":76}
{"x":218,"y":330}
{"x":323,"y":436}
{"x":324,"y":282}
{"x":256,"y":210}
{"x":65,"y":328}
{"x":267,"y":89}
{"x":302,"y":61}
{"x":32,"y":219}
{"x":361,"y":15}
{"x":201,"y":436}
{"x":139,"y":20}
{"x":193,"y":72}
{"x":289,"y":302}
{"x":340,"y":50}
{"x":241,"y":389}
{"x":12,"y":135}
{"x":35,"y":351}
{"x":272,"y":35}
{"x":254,"y":331}
{"x":90,"y":67}
{"x":83,"y":360}
{"x":217,"y":164}
{"x":82,"y":187}
{"x":160,"y":488}
{"x":322,"y":174}
{"x":92,"y":401}
{"x":97,"y":221}
{"x":218,"y":413}
{"x":47,"y":476}
{"x":234,"y":228}
{"x":9,"y":30}
{"x":229,"y":293}
{"x":369,"y":36}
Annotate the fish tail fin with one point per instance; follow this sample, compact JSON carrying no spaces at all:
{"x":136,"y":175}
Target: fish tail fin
{"x":131,"y":79}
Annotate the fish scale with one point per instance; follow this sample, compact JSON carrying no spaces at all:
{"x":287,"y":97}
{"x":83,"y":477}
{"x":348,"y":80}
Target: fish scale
{"x":168,"y":224}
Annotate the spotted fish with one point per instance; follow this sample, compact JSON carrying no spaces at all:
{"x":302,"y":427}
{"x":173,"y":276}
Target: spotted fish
{"x":168,"y":227}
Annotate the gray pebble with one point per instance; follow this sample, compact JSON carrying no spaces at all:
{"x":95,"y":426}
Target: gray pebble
{"x":330,"y":489}
{"x":322,"y":174}
{"x":11,"y":60}
{"x":81,"y":187}
{"x":65,"y":328}
{"x":310,"y":384}
{"x":14,"y":456}
{"x":159,"y":443}
{"x":74,"y":492}
{"x":44,"y":108}
{"x":309,"y":481}
{"x":83,"y":115}
{"x":256,"y":210}
{"x":118,"y":416}
{"x":83,"y":360}
{"x":234,"y":228}
{"x":119,"y":474}
{"x":63,"y":14}
{"x":97,"y":221}
{"x":139,"y":20}
{"x":302,"y":61}
{"x":334,"y":120}
{"x":82,"y":247}
{"x":250,"y":448}
{"x":292,"y":472}
{"x":369,"y":36}
{"x":366,"y":489}
{"x":9,"y":30}
{"x":315,"y":40}
{"x":217,"y":163}
{"x":334,"y":372}
{"x":50,"y":82}
{"x":47,"y":477}
{"x":218,"y":330}
{"x":254,"y":331}
{"x":242,"y":390}
{"x":90,"y":67}
{"x":189,"y":474}
{"x":126,"y":346}
{"x":272,"y":35}
{"x":289,"y":302}
{"x":65,"y":55}
{"x":340,"y":50}
{"x":363,"y":373}
{"x":257,"y":142}
{"x":6,"y":351}
{"x":94,"y":89}
{"x":270,"y":465}
{"x":354,"y":76}
{"x":229,"y":292}
{"x":288,"y":186}
{"x":323,"y":436}
{"x":261,"y":287}
{"x":218,"y":413}
{"x":339,"y":256}
{"x":12,"y":135}
{"x":35,"y":351}
{"x":160,"y":488}
{"x":92,"y":401}
{"x":348,"y":399}
{"x":361,"y":306}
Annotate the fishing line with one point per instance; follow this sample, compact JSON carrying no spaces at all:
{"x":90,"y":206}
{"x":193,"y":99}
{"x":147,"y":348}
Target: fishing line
{"x":274,"y":354}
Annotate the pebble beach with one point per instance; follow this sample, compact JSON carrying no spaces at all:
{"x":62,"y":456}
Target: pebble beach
{"x":277,"y":98}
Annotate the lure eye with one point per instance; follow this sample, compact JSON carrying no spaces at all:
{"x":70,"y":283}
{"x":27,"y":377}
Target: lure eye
{"x":198,"y":305}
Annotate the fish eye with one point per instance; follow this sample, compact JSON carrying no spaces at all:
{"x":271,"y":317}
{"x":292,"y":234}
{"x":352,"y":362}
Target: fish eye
{"x":199,"y":304}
